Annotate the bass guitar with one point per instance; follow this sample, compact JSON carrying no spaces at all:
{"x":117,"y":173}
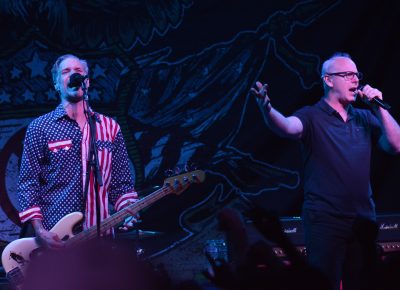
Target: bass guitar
{"x":17,"y":254}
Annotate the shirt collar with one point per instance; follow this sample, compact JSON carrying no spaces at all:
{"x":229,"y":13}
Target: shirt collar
{"x":323,"y":105}
{"x":60,"y":113}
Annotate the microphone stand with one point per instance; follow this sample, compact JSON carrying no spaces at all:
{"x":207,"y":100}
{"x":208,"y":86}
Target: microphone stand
{"x":92,"y":164}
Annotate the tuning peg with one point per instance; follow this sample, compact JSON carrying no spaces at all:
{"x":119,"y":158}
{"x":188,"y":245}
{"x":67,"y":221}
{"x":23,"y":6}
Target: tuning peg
{"x":169,"y":172}
{"x":195,"y":178}
{"x":177,"y":185}
{"x":178,"y":170}
{"x":185,"y":179}
{"x":190,"y":166}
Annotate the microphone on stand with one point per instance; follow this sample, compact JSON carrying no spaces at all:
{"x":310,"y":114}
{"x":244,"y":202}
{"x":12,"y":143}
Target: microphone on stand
{"x":376,"y":100}
{"x":76,"y":80}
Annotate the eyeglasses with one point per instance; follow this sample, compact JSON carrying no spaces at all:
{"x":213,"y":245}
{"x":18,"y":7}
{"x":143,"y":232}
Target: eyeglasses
{"x":347,"y":75}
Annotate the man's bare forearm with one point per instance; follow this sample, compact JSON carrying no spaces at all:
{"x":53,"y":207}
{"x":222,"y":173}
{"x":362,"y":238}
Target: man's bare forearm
{"x":288,"y":127}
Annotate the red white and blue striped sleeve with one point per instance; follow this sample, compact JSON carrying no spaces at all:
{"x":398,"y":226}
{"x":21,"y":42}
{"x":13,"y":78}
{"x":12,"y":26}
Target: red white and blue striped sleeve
{"x":31,"y":213}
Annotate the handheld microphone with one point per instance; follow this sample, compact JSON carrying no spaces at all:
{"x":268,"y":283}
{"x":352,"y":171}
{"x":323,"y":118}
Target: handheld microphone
{"x":376,"y":100}
{"x":76,"y":80}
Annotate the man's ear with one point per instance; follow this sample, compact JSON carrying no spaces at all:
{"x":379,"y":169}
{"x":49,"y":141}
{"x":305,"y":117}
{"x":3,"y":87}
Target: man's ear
{"x":327,"y":81}
{"x":87,"y":82}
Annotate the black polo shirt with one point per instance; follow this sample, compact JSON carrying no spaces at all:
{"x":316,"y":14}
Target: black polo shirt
{"x":337,"y":157}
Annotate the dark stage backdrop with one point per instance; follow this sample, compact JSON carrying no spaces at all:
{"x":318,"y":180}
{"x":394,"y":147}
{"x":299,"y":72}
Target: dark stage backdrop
{"x":176,"y":76}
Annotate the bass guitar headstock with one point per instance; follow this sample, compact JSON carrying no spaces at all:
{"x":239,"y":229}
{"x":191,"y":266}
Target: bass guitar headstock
{"x":181,"y":182}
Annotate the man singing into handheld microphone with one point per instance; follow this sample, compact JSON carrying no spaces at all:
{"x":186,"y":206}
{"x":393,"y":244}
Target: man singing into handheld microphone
{"x":336,"y":143}
{"x":54,"y":164}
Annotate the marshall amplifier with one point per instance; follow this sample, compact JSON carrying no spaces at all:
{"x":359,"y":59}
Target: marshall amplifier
{"x":388,"y":235}
{"x":389,"y":232}
{"x":292,"y":226}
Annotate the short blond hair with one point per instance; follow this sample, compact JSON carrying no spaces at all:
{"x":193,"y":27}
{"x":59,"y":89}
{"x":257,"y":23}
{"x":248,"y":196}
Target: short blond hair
{"x":56,"y":65}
